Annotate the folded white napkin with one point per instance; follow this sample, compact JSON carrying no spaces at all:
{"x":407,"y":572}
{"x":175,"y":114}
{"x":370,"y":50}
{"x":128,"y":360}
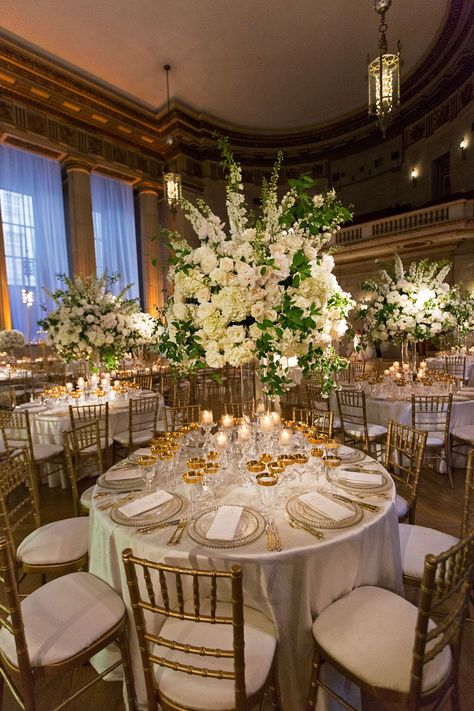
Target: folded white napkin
{"x":142,"y":452}
{"x":122,"y":474}
{"x":146,"y":503}
{"x":225,"y":523}
{"x":328,"y":507}
{"x":361,"y":477}
{"x":344,"y":451}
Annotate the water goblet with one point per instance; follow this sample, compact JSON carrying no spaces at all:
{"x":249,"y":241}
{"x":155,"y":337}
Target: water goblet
{"x":210,"y":472}
{"x":331,"y":464}
{"x":193,"y":488}
{"x":147,"y":470}
{"x":268,"y":486}
{"x":300,"y":459}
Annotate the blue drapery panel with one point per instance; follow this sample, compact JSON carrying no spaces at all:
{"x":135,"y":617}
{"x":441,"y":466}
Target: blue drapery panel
{"x":31,"y":204}
{"x":114,"y":231}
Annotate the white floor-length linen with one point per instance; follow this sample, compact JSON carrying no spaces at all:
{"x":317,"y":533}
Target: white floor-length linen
{"x":291,"y":587}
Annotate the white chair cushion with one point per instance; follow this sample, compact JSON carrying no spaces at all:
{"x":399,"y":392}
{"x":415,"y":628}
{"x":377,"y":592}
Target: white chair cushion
{"x":57,"y":542}
{"x":402,"y":507}
{"x":373,"y":431}
{"x":466,"y":433}
{"x":42,"y":452}
{"x":371,"y":633}
{"x":64,"y":617}
{"x":86,"y":497}
{"x":415,"y":544}
{"x":214,"y":694}
{"x":435,"y":439}
{"x":139,"y":437}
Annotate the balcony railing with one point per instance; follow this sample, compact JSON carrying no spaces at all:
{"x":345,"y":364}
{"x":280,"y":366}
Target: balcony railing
{"x":456,"y":211}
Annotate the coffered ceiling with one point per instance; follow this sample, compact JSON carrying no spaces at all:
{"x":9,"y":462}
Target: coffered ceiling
{"x":257,"y":64}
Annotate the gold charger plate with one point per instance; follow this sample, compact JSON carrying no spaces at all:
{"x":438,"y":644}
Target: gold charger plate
{"x":306,"y":515}
{"x":158,"y":515}
{"x":251,"y":528}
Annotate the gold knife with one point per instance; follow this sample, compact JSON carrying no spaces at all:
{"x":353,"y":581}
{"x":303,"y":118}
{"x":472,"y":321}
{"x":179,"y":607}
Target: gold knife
{"x":362,"y":504}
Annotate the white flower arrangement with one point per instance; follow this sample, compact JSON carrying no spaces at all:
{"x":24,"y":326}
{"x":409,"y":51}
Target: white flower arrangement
{"x":90,"y":323}
{"x":264,"y":289}
{"x":411,"y":306}
{"x":11,"y":338}
{"x":461,"y":306}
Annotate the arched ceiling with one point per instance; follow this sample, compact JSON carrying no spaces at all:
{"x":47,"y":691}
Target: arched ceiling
{"x":259,"y":64}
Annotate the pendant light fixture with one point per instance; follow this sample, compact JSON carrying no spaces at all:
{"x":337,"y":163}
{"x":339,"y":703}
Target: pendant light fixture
{"x":172,"y":179}
{"x":384,"y":74}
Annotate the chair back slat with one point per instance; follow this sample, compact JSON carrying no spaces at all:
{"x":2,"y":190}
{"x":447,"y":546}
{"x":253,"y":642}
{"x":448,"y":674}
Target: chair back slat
{"x":196,"y":596}
{"x":179,"y":592}
{"x":149,"y":585}
{"x":164,"y":590}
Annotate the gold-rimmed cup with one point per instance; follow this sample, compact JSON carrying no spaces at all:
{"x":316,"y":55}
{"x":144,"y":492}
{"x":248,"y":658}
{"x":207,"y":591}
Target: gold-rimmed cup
{"x":266,"y":457}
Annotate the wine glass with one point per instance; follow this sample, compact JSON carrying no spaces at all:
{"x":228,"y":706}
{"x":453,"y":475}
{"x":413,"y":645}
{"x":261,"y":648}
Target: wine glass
{"x":300,"y":459}
{"x":147,"y":470}
{"x":255,"y":466}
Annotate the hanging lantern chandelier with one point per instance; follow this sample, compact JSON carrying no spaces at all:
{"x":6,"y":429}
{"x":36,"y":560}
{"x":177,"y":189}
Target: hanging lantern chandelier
{"x":384,"y":75}
{"x":171,"y":179}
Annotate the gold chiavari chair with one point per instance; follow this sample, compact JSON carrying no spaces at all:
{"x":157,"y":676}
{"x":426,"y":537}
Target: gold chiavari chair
{"x":59,"y":547}
{"x":16,"y":433}
{"x":392,"y":650}
{"x":83,"y":454}
{"x":456,"y":366}
{"x":44,"y":634}
{"x":175,"y":417}
{"x":321,"y":421}
{"x":356,"y":430}
{"x":143,"y":380}
{"x":432,"y":414}
{"x":356,"y":369}
{"x":81,"y":414}
{"x":241,"y":409}
{"x":142,"y":424}
{"x":416,"y":542}
{"x":404,"y":452}
{"x":318,"y":402}
{"x":7,"y":398}
{"x":198,"y":654}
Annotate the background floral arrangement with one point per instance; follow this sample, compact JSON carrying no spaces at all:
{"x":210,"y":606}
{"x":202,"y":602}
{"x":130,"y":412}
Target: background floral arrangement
{"x":264,"y":289}
{"x":461,"y":306}
{"x":90,"y":323}
{"x":11,"y":338}
{"x":411,"y":306}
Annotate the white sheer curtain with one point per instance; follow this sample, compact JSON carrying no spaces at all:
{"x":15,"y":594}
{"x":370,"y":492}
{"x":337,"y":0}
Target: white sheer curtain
{"x":31,"y":204}
{"x":114,"y":231}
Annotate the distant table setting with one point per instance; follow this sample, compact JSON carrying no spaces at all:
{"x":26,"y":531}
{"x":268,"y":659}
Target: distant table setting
{"x":308,"y":522}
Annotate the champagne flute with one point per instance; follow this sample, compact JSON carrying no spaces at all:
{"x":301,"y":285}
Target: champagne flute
{"x":267,"y":484}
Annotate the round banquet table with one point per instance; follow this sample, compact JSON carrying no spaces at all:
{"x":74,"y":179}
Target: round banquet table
{"x":49,"y":424}
{"x":440,"y":364}
{"x":291,"y":587}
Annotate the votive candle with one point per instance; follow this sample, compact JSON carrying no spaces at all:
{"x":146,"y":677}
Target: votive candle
{"x":227,"y":421}
{"x":207,"y":417}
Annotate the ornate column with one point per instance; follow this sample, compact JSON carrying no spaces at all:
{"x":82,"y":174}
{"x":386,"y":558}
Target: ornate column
{"x":150,"y":243}
{"x":80,"y":230}
{"x":5,"y":312}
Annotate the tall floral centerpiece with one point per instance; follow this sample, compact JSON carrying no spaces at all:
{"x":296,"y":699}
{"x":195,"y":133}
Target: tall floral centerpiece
{"x":407,"y":306}
{"x":91,"y":323}
{"x":461,"y":306}
{"x":262,"y":289}
{"x":10,"y":339}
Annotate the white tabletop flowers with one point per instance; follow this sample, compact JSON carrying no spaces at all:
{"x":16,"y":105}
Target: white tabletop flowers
{"x":93,"y":324}
{"x":10,"y":339}
{"x":264,"y":289}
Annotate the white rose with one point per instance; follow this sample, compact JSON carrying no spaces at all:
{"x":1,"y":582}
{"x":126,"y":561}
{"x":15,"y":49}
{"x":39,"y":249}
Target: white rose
{"x":318,"y":200}
{"x":180,"y":311}
{"x":226,"y":264}
{"x":257,"y":310}
{"x":214,"y":359}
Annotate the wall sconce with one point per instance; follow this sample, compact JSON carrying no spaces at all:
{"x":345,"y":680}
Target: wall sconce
{"x":463,"y":146}
{"x":414,"y":176}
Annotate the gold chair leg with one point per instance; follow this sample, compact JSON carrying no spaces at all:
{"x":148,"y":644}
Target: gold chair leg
{"x":314,"y":680}
{"x":127,"y":670}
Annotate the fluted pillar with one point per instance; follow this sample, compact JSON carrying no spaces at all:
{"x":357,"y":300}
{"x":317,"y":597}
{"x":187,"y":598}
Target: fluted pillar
{"x":80,"y":230}
{"x":150,"y":242}
{"x":5,"y":311}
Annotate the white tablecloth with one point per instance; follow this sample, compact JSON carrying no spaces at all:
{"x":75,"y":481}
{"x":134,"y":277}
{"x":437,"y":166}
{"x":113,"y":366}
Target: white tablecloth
{"x":291,"y":587}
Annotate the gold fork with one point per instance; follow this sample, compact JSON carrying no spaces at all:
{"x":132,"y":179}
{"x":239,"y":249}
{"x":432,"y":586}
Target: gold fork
{"x":297,"y":524}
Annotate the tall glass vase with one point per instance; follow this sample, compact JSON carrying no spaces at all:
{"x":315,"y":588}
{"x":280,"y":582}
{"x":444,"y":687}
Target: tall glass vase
{"x":409,"y":358}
